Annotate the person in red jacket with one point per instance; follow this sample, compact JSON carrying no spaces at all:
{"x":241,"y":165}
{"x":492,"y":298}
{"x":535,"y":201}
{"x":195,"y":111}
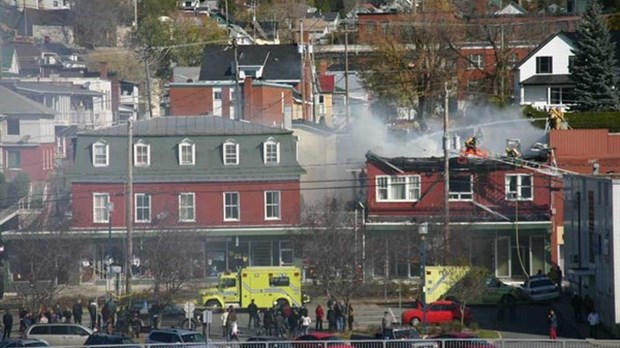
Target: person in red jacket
{"x":319,"y":317}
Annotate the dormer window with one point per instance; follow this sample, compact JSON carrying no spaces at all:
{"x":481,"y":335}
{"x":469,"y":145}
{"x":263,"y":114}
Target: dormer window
{"x":101,"y":153}
{"x":141,"y":154}
{"x":187,"y":153}
{"x":271,"y":151}
{"x":231,"y":152}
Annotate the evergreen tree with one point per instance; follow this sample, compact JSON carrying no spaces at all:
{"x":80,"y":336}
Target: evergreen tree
{"x":594,"y":64}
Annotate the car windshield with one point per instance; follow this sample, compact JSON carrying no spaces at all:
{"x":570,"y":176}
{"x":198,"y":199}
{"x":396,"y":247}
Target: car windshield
{"x":193,"y":338}
{"x":406,"y":334}
{"x":541,"y":283}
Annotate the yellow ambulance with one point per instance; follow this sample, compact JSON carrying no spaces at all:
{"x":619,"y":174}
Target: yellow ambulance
{"x":265,"y":285}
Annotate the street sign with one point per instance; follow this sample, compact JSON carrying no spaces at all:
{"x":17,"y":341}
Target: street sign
{"x":207,"y":317}
{"x":189,"y":309}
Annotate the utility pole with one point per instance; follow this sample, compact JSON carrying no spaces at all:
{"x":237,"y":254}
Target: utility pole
{"x":238,"y":115}
{"x":302,"y":46}
{"x":129,"y":206}
{"x":135,"y":14}
{"x":148,"y":82}
{"x":446,"y":176}
{"x":346,"y":71}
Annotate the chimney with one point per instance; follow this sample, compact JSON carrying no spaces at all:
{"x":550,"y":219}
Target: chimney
{"x":103,"y":70}
{"x":247,"y":99}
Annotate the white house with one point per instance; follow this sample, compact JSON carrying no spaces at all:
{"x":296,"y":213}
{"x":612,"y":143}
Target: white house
{"x":542,"y":78}
{"x":592,"y":241}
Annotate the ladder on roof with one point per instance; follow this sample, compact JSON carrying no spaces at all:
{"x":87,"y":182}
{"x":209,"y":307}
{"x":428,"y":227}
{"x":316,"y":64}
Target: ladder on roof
{"x":542,"y":168}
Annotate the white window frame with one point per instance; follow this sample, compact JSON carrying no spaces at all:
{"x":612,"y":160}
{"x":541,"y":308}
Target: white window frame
{"x":463,"y":196}
{"x":226,"y":205}
{"x":191,"y":207}
{"x":233,"y":161}
{"x":106,"y":146}
{"x":475,"y":61}
{"x":518,"y":194}
{"x":141,"y":145}
{"x":185,"y":143}
{"x":147,"y":207}
{"x":270,"y":204}
{"x":105,"y":209}
{"x":268,"y":146}
{"x":412,"y":183}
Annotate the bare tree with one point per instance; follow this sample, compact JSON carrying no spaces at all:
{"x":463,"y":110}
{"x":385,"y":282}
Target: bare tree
{"x":169,"y":259}
{"x":413,"y":60}
{"x":44,"y":263}
{"x":466,"y":284}
{"x":328,"y":241}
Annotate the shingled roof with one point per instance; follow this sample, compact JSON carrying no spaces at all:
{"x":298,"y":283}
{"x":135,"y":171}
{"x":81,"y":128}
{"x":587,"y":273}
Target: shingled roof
{"x":12,"y":103}
{"x":280,"y":62}
{"x":188,"y":126}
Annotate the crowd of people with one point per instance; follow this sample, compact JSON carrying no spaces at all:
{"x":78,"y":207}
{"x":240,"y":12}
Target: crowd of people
{"x":283,"y":320}
{"x":105,"y":317}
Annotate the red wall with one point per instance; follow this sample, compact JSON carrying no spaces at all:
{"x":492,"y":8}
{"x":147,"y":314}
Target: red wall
{"x":489,"y":190}
{"x":209,"y":203}
{"x":267,"y":105}
{"x":36,"y":161}
{"x":185,"y":101}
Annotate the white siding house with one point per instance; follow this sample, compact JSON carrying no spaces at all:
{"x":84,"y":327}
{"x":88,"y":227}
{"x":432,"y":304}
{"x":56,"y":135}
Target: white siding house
{"x":543,"y":77}
{"x":592,"y":242}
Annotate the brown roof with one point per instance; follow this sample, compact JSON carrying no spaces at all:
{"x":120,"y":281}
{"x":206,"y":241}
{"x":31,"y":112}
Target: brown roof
{"x":584,"y":143}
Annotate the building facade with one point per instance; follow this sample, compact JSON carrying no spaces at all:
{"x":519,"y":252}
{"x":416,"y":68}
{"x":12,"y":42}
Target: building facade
{"x":499,"y":214}
{"x":235,"y":184}
{"x":592,"y":232}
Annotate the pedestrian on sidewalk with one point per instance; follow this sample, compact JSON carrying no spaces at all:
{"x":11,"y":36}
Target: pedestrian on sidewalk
{"x":350,"y":318}
{"x":7,"y":321}
{"x":553,"y":324}
{"x":577,"y":304}
{"x":320,"y":313}
{"x":386,"y":325}
{"x":305,"y":323}
{"x":253,"y":314}
{"x":593,"y":321}
{"x":224,"y":318}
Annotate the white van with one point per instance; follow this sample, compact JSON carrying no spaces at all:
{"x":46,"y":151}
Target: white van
{"x":59,"y":334}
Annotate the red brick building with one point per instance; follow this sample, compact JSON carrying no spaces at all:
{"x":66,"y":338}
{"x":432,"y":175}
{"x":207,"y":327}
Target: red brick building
{"x":499,"y":213}
{"x":265,"y":88}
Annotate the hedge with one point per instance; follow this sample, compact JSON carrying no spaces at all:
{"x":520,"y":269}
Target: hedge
{"x":580,"y":120}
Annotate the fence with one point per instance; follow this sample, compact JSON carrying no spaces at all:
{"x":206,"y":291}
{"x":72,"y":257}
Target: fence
{"x":426,"y":343}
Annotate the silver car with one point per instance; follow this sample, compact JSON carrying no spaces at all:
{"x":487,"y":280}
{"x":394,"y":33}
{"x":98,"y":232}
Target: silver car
{"x":540,"y":288}
{"x":59,"y":334}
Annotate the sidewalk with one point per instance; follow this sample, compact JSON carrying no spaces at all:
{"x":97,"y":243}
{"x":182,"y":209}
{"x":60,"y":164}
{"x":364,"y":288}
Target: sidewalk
{"x":570,"y":327}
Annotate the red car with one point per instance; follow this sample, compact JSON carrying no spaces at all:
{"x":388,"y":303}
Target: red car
{"x":436,"y":313}
{"x":319,"y":339}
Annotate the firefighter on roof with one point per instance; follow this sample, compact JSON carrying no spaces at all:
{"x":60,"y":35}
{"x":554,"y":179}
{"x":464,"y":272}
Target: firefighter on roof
{"x":470,"y":144}
{"x":556,"y":119}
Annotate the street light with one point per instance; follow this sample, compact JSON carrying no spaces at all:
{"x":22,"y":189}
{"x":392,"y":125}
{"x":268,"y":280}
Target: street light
{"x":423,"y":231}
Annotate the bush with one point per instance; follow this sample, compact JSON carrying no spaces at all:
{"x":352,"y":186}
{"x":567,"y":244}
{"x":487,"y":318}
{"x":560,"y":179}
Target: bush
{"x":579,"y":120}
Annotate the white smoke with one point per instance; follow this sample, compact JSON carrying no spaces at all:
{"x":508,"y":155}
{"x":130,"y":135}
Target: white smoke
{"x":369,"y":133}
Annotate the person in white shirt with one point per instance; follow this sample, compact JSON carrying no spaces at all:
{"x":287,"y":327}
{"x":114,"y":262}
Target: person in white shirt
{"x":593,"y":321}
{"x":305,"y":323}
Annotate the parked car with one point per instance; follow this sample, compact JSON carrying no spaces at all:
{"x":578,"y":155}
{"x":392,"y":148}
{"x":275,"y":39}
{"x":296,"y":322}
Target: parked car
{"x":19,"y":342}
{"x":172,"y":316}
{"x":319,"y":339}
{"x":540,"y":288}
{"x":396,"y":337}
{"x":177,"y":337}
{"x":110,"y":341}
{"x":461,"y":340}
{"x":438,"y":312}
{"x":59,"y":334}
{"x":493,"y":293}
